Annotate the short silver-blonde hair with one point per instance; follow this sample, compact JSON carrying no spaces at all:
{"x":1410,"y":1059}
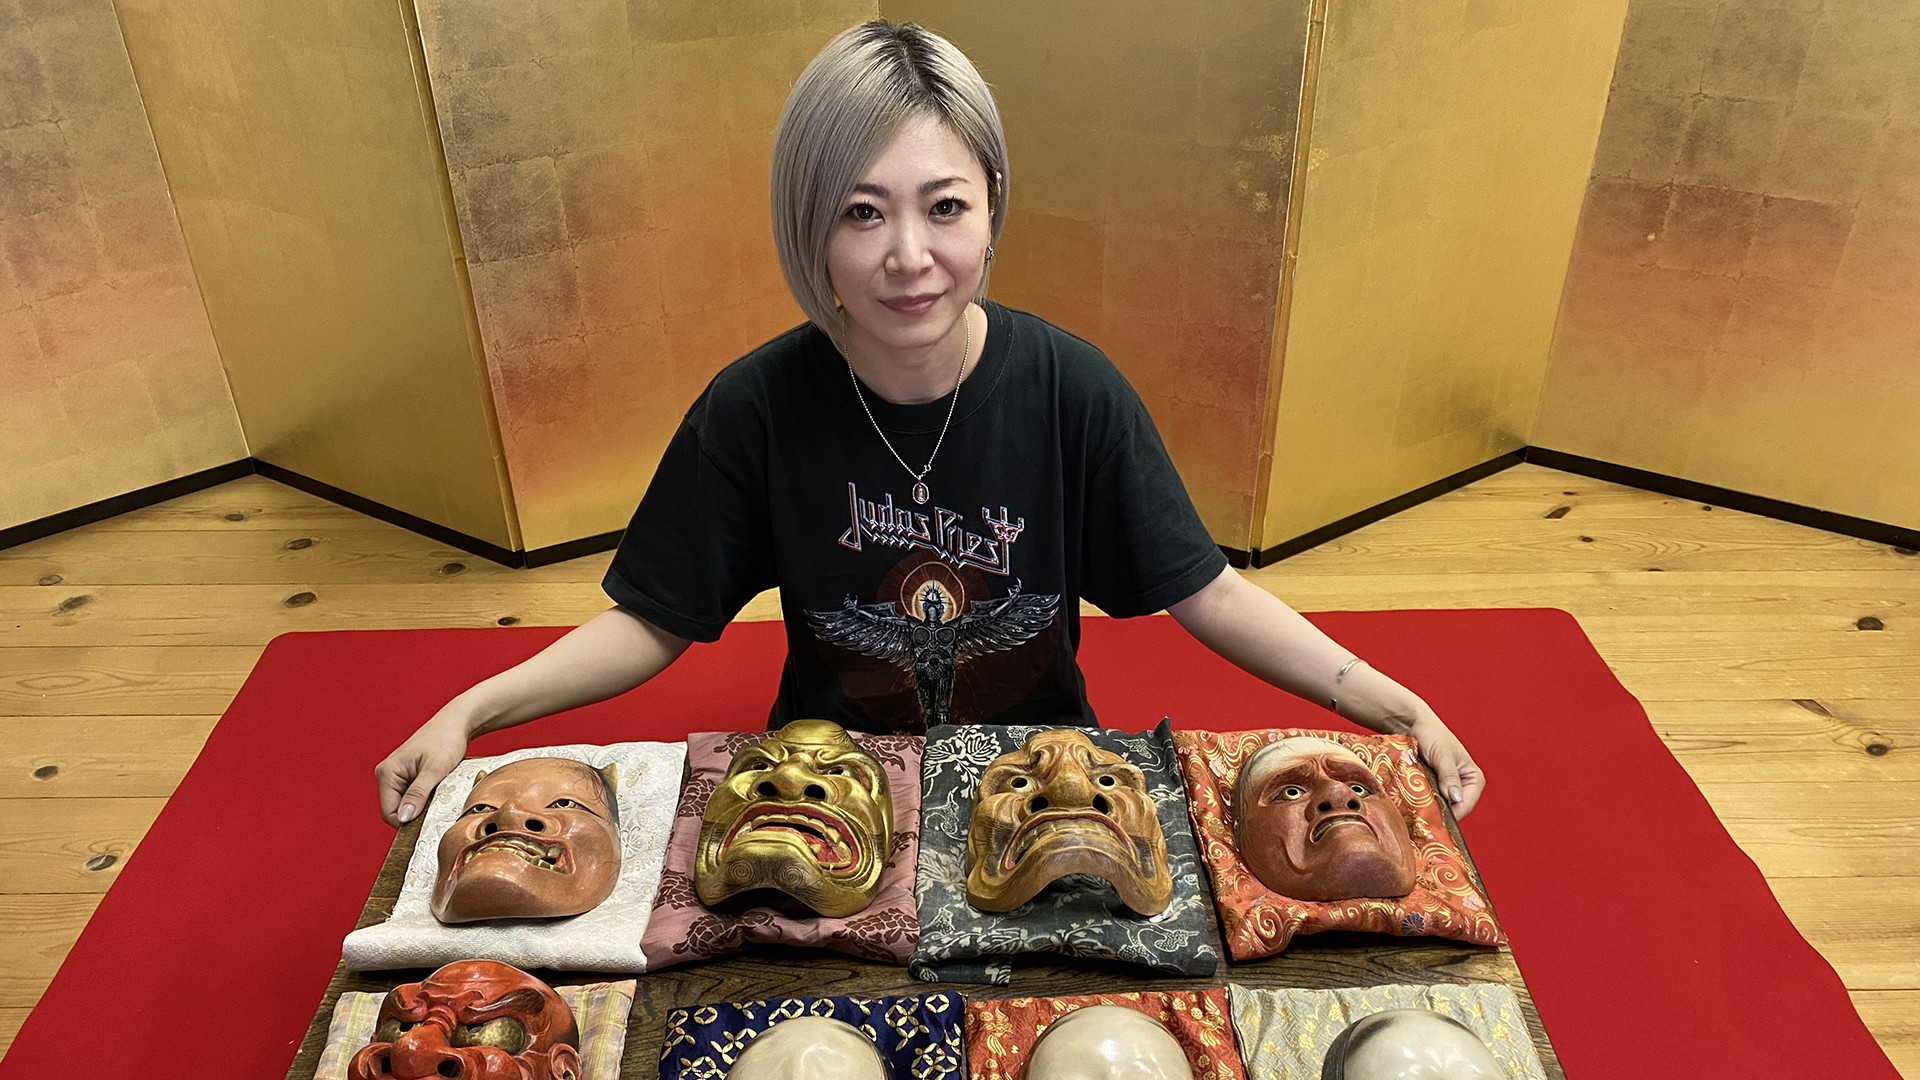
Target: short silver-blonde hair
{"x":844,"y":108}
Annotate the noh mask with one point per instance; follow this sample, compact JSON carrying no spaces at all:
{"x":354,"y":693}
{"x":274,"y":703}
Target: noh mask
{"x":1314,"y":823}
{"x":537,"y":839}
{"x":474,"y":1019}
{"x":806,"y":812}
{"x":809,"y":1048}
{"x":1060,"y":805}
{"x":1409,"y":1044}
{"x":1108,"y":1042}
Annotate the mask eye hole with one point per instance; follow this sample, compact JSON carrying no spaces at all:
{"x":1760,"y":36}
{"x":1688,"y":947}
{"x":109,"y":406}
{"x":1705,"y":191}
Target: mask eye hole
{"x":1360,"y":789}
{"x":760,"y":766}
{"x":502,"y":1031}
{"x":1108,"y":780}
{"x":836,"y":770}
{"x":564,"y":804}
{"x":1019,"y":783}
{"x":1291,"y":792}
{"x":479,"y":808}
{"x":391,"y":1030}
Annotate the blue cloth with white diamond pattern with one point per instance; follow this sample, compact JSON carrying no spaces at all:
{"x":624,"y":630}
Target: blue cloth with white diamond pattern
{"x":921,"y":1038}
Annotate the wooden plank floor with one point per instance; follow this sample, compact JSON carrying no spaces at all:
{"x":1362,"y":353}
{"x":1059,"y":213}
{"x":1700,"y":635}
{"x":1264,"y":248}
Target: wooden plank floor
{"x":1776,"y":661}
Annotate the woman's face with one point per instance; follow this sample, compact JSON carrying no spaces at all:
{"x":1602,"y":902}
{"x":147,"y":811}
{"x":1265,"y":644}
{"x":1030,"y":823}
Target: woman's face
{"x":909,"y":248}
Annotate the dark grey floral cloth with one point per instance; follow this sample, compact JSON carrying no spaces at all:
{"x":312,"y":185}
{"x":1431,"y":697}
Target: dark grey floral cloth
{"x":1079,"y":915}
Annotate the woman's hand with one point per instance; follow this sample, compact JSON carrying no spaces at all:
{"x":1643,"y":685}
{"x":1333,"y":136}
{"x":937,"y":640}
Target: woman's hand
{"x":408,"y":775}
{"x":1461,"y":781}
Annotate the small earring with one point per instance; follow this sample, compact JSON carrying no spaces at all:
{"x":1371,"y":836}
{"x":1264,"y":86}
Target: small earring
{"x":989,"y":252}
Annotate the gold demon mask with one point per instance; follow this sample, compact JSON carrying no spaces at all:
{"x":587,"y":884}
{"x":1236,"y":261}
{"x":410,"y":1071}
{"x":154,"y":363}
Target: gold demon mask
{"x":805,"y":812}
{"x":1060,"y":805}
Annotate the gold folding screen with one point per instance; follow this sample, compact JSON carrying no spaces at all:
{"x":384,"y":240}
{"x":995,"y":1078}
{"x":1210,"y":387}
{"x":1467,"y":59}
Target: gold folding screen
{"x":1743,"y":305}
{"x":609,"y":163}
{"x":308,"y":181}
{"x":109,"y":380}
{"x":1446,"y":154}
{"x":473,"y":258}
{"x":1151,"y":149}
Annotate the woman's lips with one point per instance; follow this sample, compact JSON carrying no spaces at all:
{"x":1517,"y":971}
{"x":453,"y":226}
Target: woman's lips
{"x":912,"y":305}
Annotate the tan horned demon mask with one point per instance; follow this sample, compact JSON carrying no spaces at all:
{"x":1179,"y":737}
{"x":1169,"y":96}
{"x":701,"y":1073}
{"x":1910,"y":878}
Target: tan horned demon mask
{"x":806,"y":812}
{"x":477,"y":1020}
{"x":1314,"y":823}
{"x":1060,"y":805}
{"x":537,"y":839}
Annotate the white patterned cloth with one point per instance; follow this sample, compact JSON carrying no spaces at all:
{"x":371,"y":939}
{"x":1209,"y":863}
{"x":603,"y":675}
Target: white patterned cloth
{"x":1287,"y":1032}
{"x":599,"y":1014}
{"x":604,"y":939}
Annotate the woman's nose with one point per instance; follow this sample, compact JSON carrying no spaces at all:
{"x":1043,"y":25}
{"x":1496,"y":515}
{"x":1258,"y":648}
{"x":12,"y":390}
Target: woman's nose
{"x":909,"y":252}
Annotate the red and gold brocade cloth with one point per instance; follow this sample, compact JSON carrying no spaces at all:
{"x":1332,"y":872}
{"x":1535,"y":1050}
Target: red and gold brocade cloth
{"x":1256,"y":921}
{"x":1000,"y":1034}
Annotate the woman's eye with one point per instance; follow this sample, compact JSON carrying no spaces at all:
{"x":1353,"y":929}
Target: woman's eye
{"x":862,"y":212}
{"x":948,"y":207}
{"x":1360,"y":789}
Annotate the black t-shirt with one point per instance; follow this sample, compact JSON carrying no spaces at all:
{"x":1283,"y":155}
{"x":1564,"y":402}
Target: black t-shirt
{"x":1052,"y":485}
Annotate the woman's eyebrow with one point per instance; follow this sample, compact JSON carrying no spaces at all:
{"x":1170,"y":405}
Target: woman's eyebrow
{"x":878,"y":191}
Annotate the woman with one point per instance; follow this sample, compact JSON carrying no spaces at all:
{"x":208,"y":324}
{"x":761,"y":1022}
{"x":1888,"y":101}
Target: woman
{"x":843,"y":461}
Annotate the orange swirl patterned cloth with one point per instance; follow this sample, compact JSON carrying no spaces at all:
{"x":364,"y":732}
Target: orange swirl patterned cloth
{"x":1256,"y":921}
{"x":1000,"y":1034}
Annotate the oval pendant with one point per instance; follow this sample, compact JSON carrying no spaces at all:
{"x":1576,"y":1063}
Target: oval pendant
{"x":921,"y":494}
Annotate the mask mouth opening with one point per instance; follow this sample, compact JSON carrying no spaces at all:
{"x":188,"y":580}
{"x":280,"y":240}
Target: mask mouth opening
{"x":827,"y":837}
{"x":1333,"y":821}
{"x":552,"y":856}
{"x":1044,"y":824}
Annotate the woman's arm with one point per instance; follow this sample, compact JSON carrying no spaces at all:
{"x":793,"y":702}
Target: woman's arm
{"x":1261,"y":634}
{"x":609,"y":654}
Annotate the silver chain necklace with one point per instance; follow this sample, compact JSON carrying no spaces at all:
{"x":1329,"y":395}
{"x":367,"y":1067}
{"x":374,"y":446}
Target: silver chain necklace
{"x":920,"y":492}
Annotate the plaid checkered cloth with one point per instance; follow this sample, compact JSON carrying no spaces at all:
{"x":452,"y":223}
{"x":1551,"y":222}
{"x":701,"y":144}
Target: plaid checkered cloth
{"x":599,"y":1011}
{"x":1287,"y":1032}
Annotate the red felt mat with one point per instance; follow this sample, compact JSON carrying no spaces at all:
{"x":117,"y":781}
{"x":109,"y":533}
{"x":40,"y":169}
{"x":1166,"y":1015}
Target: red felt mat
{"x":1651,"y":944}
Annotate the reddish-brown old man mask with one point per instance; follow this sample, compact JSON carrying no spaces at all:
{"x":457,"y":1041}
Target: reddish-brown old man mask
{"x":1060,"y":805}
{"x":1314,"y":823}
{"x":806,"y":812}
{"x":537,"y":839}
{"x":477,"y":1020}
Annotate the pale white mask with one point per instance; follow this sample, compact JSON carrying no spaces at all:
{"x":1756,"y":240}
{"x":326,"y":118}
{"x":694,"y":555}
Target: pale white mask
{"x":1108,"y":1042}
{"x":1409,"y":1044}
{"x":809,"y":1048}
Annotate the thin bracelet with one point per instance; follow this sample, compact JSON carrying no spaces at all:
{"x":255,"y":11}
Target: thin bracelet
{"x":1333,"y":704}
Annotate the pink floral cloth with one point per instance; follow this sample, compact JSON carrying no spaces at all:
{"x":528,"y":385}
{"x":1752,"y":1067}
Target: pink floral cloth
{"x":683,"y":929}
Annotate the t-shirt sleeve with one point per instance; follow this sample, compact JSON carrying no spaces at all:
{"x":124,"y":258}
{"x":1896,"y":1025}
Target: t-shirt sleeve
{"x":699,"y":546}
{"x":1145,"y":547}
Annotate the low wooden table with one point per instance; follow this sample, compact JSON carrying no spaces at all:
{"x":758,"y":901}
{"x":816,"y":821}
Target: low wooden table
{"x":1314,"y":961}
